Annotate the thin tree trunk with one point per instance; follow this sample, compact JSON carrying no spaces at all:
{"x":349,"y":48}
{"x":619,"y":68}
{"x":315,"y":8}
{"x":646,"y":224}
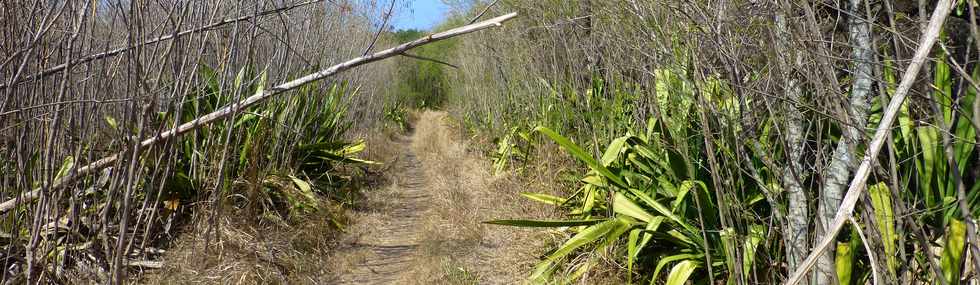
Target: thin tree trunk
{"x":858,"y":184}
{"x":843,"y":159}
{"x":227,"y":110}
{"x":797,"y":220}
{"x":120,"y":50}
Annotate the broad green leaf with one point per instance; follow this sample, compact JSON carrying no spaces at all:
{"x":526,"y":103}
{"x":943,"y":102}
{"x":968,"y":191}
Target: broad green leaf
{"x":109,"y":120}
{"x":651,"y":126}
{"x":353,"y":148}
{"x":65,"y":167}
{"x":624,"y":225}
{"x":651,"y":227}
{"x":943,"y":87}
{"x":542,"y":272}
{"x":928,"y":138}
{"x":577,"y":152}
{"x":686,"y":240}
{"x":613,"y":150}
{"x":634,"y":179}
{"x":681,"y":194}
{"x":681,"y":272}
{"x":673,"y":258}
{"x":632,"y":249}
{"x":244,"y":119}
{"x":953,"y":251}
{"x":586,"y":236}
{"x":755,"y":198}
{"x":590,"y":198}
{"x":246,"y":149}
{"x":845,"y":263}
{"x":545,"y":224}
{"x":881,"y":203}
{"x":625,"y":206}
{"x":728,"y":238}
{"x":679,"y":164}
{"x":594,"y":180}
{"x":323,"y":146}
{"x":640,"y":162}
{"x":905,"y":123}
{"x":647,"y":153}
{"x":663,"y":210}
{"x":544,"y":198}
{"x":666,"y":187}
{"x":240,"y":78}
{"x":757,"y":233}
{"x":302,"y":184}
{"x":305,"y":191}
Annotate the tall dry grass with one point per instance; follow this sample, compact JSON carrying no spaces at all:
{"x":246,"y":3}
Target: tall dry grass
{"x":86,"y":79}
{"x":770,"y":105}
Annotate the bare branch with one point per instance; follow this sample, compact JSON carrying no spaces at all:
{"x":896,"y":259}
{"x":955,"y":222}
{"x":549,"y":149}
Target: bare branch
{"x":381,"y":29}
{"x":117,"y":51}
{"x":253,"y":100}
{"x":430,"y":59}
{"x":478,"y":16}
{"x":857,"y":185}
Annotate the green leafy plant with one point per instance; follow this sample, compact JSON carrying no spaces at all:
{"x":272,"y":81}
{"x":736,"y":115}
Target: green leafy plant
{"x":514,"y":146}
{"x":634,"y":181}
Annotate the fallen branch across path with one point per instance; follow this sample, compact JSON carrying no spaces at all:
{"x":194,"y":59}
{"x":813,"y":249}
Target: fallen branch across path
{"x":857,"y":185}
{"x":253,"y":100}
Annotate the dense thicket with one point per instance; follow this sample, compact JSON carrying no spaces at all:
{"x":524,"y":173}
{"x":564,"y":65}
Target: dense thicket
{"x":717,"y":141}
{"x":718,"y":137}
{"x":87,"y":80}
{"x":421,"y":82}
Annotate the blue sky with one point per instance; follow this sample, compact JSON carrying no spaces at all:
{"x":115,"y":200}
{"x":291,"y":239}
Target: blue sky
{"x":419,"y":14}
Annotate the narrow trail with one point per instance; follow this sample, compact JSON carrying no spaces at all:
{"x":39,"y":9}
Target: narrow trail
{"x":424,"y":227}
{"x":390,"y":248}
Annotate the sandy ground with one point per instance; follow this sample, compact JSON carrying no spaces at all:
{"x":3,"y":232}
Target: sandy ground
{"x":426,"y":226}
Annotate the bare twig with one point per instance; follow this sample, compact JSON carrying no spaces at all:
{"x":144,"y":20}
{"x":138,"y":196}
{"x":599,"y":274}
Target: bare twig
{"x":69,"y":102}
{"x":478,"y":16}
{"x":117,"y":51}
{"x":381,"y":29}
{"x":951,"y":160}
{"x":429,"y":59}
{"x":253,"y":100}
{"x":857,"y":185}
{"x":875,"y":268}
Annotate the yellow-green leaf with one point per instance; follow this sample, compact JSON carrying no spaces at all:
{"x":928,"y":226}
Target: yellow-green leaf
{"x":544,"y":198}
{"x":625,"y":206}
{"x":681,"y":272}
{"x":953,"y":251}
{"x":881,"y":203}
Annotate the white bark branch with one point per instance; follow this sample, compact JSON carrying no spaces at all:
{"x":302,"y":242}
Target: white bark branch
{"x":253,"y":100}
{"x":797,"y":220}
{"x":855,"y":120}
{"x":857,"y":185}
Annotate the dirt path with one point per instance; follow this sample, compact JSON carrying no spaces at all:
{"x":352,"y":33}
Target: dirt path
{"x":389,"y":247}
{"x":425,"y":226}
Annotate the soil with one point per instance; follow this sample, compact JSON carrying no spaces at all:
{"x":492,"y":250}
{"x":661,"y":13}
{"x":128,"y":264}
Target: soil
{"x":422,"y":223}
{"x":426,"y":226}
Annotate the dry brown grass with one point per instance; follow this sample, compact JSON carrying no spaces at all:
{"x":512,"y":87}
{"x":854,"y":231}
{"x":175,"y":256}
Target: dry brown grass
{"x":458,"y":247}
{"x":443,"y":225}
{"x":451,"y":244}
{"x":268,"y":252}
{"x":259,"y":247}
